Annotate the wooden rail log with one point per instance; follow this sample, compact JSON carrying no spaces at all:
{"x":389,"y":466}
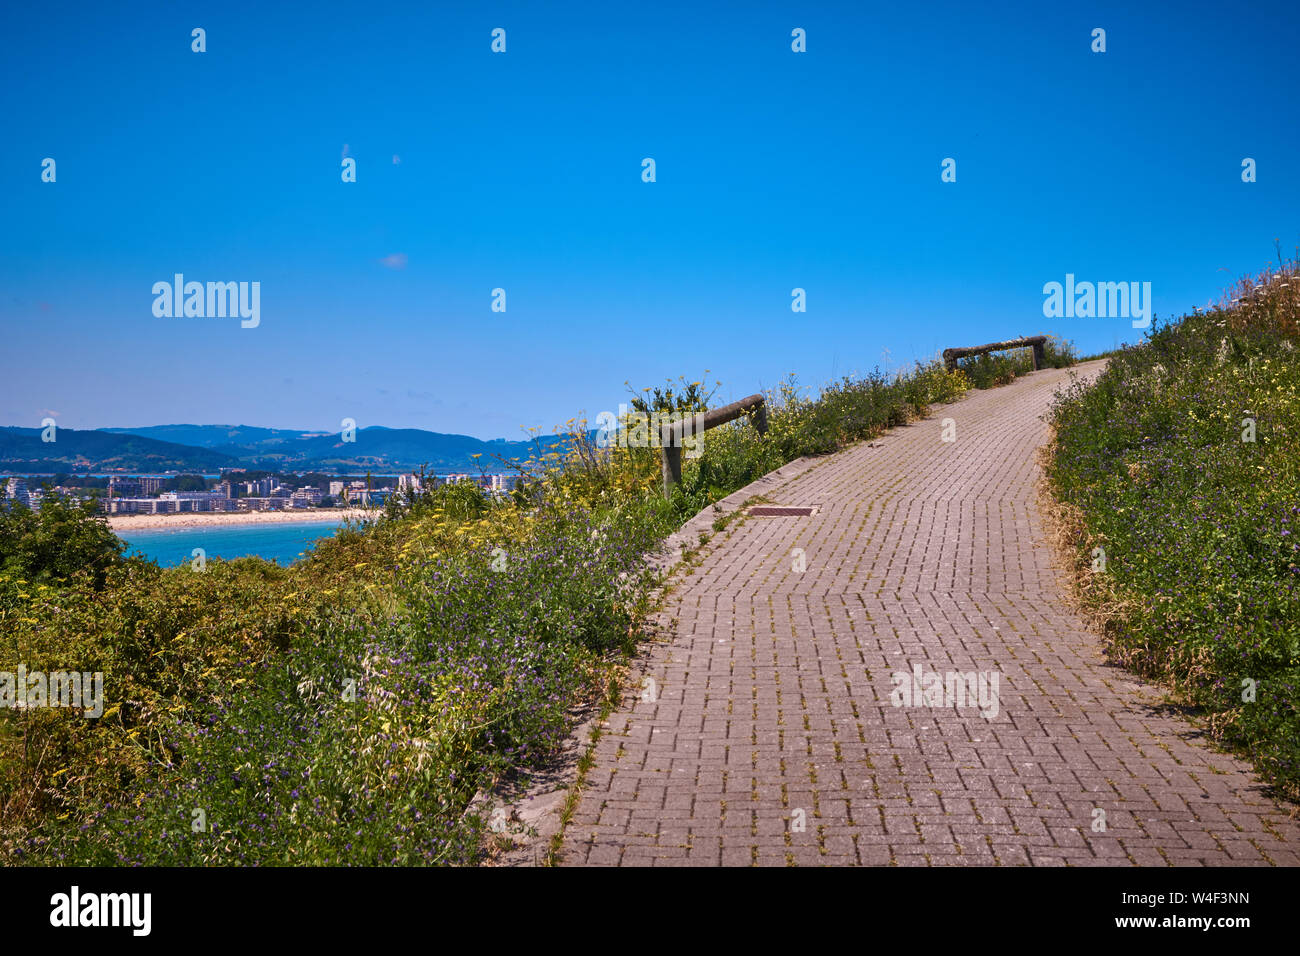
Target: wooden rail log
{"x":1037,"y":342}
{"x":671,"y":436}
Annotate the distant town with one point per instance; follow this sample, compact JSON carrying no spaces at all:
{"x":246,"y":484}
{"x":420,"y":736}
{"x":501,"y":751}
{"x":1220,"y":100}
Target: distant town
{"x":234,"y":490}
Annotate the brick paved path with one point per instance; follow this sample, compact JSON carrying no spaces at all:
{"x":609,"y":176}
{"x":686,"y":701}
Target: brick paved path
{"x":773,"y":689}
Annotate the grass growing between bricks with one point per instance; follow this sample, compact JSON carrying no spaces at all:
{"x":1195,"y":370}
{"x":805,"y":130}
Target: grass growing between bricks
{"x":347,"y":710}
{"x":1179,"y":472}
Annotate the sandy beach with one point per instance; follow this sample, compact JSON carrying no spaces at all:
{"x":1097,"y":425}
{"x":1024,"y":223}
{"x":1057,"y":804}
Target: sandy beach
{"x":213,"y":519}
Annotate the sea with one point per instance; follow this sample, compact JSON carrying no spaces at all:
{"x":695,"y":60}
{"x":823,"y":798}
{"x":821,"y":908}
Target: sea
{"x":281,"y":542}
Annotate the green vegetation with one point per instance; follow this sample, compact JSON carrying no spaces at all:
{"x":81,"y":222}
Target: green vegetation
{"x":1180,"y":465}
{"x":348,"y":709}
{"x":53,"y":544}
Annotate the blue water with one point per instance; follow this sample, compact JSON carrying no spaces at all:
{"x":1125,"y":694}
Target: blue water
{"x":282,"y":543}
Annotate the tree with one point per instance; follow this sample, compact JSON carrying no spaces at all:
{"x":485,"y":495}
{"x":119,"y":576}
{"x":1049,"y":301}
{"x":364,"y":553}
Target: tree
{"x":62,"y":538}
{"x":186,"y":483}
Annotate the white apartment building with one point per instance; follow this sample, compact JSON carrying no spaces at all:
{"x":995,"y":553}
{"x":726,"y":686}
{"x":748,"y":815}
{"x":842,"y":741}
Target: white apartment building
{"x":16,"y":490}
{"x":306,"y":496}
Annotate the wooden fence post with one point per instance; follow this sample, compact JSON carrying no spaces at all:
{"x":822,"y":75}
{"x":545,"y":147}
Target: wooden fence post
{"x":671,"y":467}
{"x":670,"y":436}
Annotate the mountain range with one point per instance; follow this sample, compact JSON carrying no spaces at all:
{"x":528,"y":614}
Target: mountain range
{"x":209,"y":448}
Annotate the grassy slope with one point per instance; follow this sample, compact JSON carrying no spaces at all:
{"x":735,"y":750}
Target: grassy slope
{"x":1199,"y":524}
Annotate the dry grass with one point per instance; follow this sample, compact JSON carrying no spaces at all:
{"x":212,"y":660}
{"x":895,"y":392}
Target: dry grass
{"x":1267,"y":300}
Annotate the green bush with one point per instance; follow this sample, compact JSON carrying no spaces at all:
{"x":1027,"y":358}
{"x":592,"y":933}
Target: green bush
{"x":57,"y":540}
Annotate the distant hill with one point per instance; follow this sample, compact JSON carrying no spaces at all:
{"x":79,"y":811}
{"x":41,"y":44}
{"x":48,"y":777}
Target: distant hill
{"x":209,"y":448}
{"x":378,"y":447}
{"x":22,"y":450}
{"x":210,"y":436}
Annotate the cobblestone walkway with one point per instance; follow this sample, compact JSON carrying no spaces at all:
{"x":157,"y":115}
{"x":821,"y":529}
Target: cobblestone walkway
{"x":772,"y":739}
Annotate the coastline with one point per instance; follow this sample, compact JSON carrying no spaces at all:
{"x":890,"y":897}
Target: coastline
{"x":222,"y":519}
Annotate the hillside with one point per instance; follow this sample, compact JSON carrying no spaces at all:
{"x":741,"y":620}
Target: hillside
{"x":208,"y":448}
{"x":1179,"y":478}
{"x":213,"y":436}
{"x":21,"y":450}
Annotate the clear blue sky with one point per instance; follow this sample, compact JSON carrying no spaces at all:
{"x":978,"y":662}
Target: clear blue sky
{"x":522,"y":170}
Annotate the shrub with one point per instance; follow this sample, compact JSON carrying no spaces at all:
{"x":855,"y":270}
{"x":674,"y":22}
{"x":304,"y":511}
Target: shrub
{"x":57,"y":540}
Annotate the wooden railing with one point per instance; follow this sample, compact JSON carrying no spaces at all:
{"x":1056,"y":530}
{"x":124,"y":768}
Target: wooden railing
{"x":670,"y":436}
{"x":1037,"y":342}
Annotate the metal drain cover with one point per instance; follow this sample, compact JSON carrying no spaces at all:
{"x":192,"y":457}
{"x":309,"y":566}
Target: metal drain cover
{"x":781,"y":511}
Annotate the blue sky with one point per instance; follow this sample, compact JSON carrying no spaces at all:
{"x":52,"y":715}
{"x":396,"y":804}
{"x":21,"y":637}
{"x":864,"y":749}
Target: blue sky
{"x":522,"y":170}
